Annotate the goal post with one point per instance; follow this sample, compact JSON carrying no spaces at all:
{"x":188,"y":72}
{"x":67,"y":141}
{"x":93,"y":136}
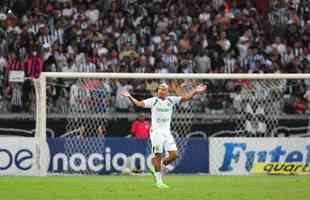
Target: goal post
{"x":42,"y":157}
{"x":260,"y":102}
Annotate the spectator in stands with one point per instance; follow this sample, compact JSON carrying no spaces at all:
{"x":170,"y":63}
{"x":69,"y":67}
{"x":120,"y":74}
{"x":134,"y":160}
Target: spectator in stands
{"x":122,"y":103}
{"x":203,"y":62}
{"x":295,"y":105}
{"x":307,"y":99}
{"x":140,"y":128}
{"x":156,"y":36}
{"x":14,"y":64}
{"x":34,"y":64}
{"x":3,"y":64}
{"x":299,"y":105}
{"x":15,"y":95}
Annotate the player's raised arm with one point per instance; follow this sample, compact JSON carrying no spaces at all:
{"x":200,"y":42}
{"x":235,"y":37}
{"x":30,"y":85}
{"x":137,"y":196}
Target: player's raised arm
{"x":197,"y":90}
{"x":135,"y":101}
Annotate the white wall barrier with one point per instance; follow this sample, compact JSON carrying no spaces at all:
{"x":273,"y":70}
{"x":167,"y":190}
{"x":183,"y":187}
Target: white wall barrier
{"x":237,"y":156}
{"x":18,"y":156}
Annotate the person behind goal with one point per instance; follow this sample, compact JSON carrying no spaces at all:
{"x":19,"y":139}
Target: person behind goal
{"x":161,"y":138}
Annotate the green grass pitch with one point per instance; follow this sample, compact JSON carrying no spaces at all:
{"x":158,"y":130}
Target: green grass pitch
{"x":142,"y":187}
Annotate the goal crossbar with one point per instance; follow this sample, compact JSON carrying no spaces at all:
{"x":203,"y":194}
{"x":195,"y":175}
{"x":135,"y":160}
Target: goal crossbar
{"x":173,"y":76}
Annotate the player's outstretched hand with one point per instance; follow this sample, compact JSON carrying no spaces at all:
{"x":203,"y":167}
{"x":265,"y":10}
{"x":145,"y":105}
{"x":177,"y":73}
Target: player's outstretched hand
{"x":201,"y":88}
{"x":125,"y":94}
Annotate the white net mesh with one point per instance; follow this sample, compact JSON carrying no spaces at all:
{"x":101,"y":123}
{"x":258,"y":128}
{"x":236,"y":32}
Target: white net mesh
{"x":89,"y":102}
{"x":261,"y":102}
{"x":182,"y":119}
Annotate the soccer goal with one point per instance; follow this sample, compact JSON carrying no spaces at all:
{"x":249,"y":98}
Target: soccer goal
{"x":88,"y":102}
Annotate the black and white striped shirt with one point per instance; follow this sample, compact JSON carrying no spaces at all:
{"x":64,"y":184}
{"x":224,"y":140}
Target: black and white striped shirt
{"x":87,"y":67}
{"x":16,"y":94}
{"x":253,"y":61}
{"x":54,"y":36}
{"x":34,"y":28}
{"x":229,"y":63}
{"x":298,"y":52}
{"x":287,"y":57}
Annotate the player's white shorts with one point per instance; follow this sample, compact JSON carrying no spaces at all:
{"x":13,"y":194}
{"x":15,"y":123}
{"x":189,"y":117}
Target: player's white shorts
{"x":162,"y":140}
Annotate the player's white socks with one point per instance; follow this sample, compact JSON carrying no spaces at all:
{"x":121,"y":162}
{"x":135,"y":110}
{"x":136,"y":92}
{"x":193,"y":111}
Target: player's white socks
{"x":167,"y":168}
{"x":158,"y":177}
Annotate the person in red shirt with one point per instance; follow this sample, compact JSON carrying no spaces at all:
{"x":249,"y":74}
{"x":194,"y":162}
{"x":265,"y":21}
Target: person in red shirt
{"x":140,"y":128}
{"x":34,"y":65}
{"x":299,"y":105}
{"x":15,"y":63}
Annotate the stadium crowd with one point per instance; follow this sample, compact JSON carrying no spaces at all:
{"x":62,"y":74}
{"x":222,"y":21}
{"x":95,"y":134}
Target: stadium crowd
{"x":159,"y":36}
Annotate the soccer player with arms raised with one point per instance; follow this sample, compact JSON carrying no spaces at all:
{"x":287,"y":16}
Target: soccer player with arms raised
{"x":161,"y":138}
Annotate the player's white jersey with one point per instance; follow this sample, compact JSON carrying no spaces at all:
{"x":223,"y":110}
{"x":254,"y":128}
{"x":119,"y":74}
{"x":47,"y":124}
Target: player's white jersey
{"x":161,"y":111}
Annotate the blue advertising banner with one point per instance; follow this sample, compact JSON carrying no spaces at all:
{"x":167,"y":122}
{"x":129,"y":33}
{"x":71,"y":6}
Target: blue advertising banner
{"x":109,"y":155}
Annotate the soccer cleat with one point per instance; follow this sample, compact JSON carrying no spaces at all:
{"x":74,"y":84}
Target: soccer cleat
{"x":162,"y":186}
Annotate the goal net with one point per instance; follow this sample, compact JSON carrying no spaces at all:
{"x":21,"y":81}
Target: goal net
{"x":261,"y":102}
{"x":90,"y":103}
